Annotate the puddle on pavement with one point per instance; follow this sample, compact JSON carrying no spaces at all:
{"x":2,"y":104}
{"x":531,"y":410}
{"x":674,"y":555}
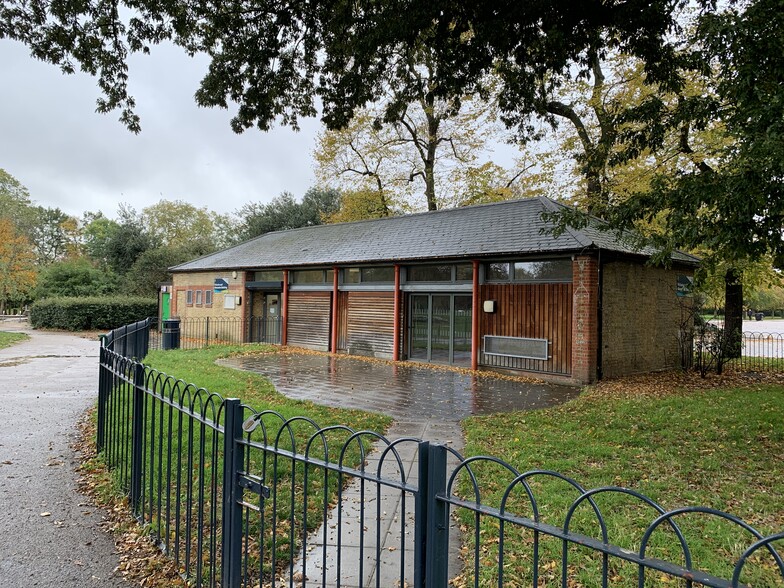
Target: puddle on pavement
{"x":401,"y":391}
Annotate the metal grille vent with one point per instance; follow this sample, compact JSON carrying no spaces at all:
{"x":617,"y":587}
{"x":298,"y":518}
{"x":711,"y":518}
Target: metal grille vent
{"x":516,"y":347}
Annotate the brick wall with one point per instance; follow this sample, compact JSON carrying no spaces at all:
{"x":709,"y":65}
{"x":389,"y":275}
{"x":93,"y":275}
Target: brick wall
{"x":641,"y":318}
{"x":205,"y":281}
{"x":585,"y":283}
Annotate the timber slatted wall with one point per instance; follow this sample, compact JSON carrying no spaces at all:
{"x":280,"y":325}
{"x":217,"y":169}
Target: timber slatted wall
{"x":308,"y":320}
{"x":370,"y":323}
{"x":541,"y":311}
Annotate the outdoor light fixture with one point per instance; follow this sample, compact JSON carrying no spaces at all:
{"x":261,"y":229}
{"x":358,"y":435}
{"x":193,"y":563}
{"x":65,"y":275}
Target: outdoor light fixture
{"x":489,"y":306}
{"x":234,"y":274}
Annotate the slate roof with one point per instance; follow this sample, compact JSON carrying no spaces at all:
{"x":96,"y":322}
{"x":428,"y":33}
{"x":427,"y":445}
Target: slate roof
{"x":499,"y":229}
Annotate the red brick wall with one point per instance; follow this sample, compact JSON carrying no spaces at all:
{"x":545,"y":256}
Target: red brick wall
{"x":585,"y":324}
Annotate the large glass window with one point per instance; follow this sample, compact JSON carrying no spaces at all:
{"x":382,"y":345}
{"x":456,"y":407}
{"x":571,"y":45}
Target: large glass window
{"x":430,"y":273}
{"x":364,"y":275}
{"x":268,"y":276}
{"x":311,"y":276}
{"x":553,"y":270}
{"x":556,"y":270}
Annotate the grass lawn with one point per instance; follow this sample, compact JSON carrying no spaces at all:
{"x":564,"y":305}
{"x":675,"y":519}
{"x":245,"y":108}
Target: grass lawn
{"x":198,"y":366}
{"x":298,"y":493}
{"x":8,"y":339}
{"x":721,"y":448}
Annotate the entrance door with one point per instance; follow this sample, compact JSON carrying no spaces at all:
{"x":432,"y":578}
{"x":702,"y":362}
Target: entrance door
{"x":271,"y":321}
{"x":165,"y":306}
{"x":440,"y":330}
{"x":265,"y":317}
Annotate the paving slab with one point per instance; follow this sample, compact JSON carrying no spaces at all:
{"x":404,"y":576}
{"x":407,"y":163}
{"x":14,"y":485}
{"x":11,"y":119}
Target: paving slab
{"x":49,"y":533}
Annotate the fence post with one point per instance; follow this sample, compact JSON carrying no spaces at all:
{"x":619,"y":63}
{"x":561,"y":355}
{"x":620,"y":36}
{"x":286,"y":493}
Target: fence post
{"x":137,"y":437}
{"x":436,"y":539}
{"x":102,"y":396}
{"x":207,"y":333}
{"x":231,"y":521}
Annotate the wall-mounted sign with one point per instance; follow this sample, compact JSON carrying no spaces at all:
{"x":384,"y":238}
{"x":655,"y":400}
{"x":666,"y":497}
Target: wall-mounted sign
{"x":220,"y":285}
{"x":684,"y":285}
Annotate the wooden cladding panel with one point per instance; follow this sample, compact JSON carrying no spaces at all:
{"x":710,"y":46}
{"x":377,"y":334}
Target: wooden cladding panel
{"x":370,"y":323}
{"x":541,"y":311}
{"x":308,"y":319}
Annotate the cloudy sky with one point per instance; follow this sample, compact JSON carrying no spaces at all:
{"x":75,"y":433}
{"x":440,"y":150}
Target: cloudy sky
{"x":68,"y":156}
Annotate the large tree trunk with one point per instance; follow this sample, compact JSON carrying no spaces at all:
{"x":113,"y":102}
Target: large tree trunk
{"x":733,"y":313}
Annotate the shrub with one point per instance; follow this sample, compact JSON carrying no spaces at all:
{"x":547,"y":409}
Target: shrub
{"x":82,"y":314}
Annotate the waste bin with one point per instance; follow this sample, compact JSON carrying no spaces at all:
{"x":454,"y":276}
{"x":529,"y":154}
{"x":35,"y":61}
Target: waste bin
{"x":171,"y":334}
{"x":759,"y":316}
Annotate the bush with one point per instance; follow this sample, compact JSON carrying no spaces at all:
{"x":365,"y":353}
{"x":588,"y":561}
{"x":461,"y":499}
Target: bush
{"x":83,"y":314}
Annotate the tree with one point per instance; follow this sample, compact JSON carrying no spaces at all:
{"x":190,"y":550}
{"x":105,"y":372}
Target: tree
{"x":409,"y":143}
{"x":284,"y":212}
{"x":126,"y":241}
{"x":151,"y":269}
{"x":178,"y":224}
{"x":274,"y":60}
{"x":15,"y":203}
{"x":74,"y":278}
{"x":17,"y":265}
{"x":54,"y":234}
{"x":96,"y":234}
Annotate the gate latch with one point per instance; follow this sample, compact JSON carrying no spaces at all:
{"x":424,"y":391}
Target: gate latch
{"x":253,"y":484}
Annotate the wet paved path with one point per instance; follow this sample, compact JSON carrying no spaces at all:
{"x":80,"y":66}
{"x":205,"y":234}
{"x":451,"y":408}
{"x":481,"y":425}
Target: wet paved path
{"x":46,"y":383}
{"x":427,"y":403}
{"x":406,"y":392}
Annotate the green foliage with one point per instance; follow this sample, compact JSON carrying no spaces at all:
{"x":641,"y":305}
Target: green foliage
{"x":284,"y":212}
{"x":54,"y":235}
{"x":84,"y":314}
{"x":178,"y":224}
{"x":74,"y":278}
{"x":151,"y":268}
{"x":275,"y":60}
{"x":15,"y":203}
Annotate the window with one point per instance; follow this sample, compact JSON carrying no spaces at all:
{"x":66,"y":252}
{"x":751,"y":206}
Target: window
{"x":208,"y":298}
{"x":464,"y":272}
{"x":365,"y":275}
{"x":497,"y":272}
{"x":198,"y":297}
{"x":189,"y":297}
{"x":554,"y":270}
{"x":311,"y":276}
{"x":429,"y":273}
{"x":268,"y":276}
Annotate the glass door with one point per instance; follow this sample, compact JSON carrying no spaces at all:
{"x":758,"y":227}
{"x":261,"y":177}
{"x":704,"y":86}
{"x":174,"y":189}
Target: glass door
{"x":440,"y":329}
{"x":420,"y":327}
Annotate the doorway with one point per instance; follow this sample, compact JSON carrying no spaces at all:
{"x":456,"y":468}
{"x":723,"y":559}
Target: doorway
{"x":265,"y":318}
{"x":440,"y":329}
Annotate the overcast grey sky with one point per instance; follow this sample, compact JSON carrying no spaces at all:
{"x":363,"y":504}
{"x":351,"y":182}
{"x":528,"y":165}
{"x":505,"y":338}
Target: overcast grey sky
{"x":69,"y":156}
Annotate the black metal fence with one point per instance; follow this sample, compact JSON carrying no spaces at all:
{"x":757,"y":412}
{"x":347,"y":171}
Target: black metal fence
{"x":240,"y":498}
{"x":759,"y":352}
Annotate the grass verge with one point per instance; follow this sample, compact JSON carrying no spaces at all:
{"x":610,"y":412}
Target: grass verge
{"x":8,"y":339}
{"x":721,"y":448}
{"x":182,"y":459}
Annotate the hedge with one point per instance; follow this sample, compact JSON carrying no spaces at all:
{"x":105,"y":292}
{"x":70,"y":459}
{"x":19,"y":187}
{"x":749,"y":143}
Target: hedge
{"x":85,"y":314}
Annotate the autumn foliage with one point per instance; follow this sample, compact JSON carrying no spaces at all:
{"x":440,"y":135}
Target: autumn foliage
{"x":17,"y":265}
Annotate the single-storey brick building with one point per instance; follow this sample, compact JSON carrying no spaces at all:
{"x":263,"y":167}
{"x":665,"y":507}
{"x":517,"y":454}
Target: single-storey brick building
{"x":485,"y":287}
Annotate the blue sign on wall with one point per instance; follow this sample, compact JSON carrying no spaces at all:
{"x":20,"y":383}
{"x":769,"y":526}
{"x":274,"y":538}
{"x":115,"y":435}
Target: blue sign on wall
{"x":220,"y":285}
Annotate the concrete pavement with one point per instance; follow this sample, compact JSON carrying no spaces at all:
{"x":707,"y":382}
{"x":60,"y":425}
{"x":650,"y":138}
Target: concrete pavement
{"x":49,"y":533}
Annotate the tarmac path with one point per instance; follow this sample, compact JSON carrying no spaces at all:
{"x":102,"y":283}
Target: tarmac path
{"x":49,"y":532}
